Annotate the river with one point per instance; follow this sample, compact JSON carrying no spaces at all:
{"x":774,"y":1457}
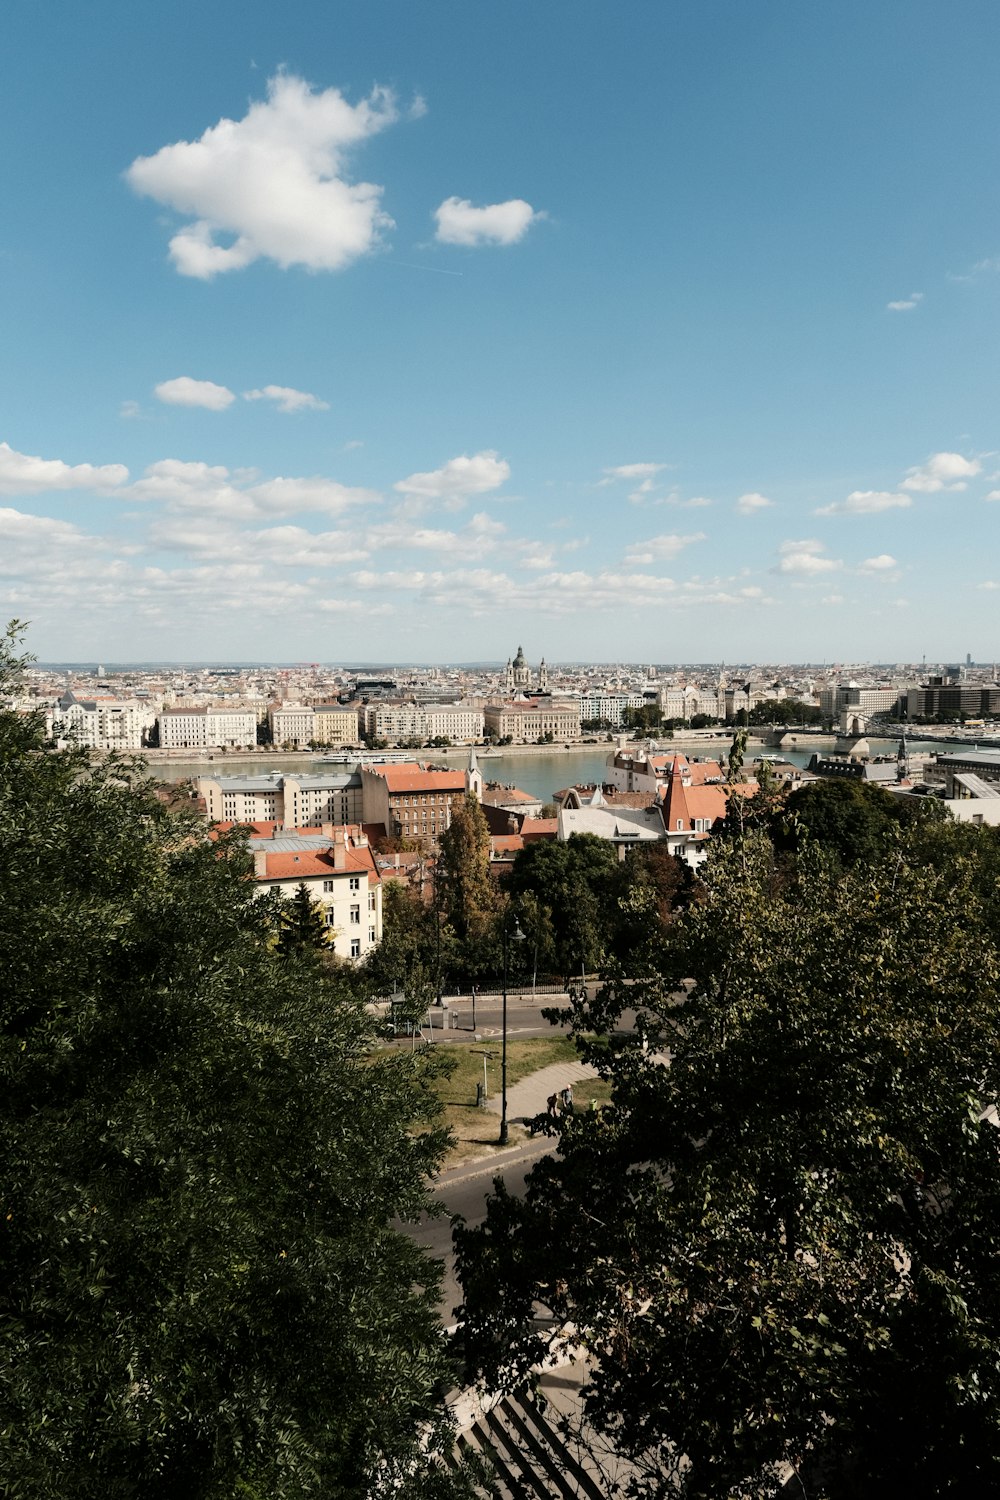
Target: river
{"x":538,"y":772}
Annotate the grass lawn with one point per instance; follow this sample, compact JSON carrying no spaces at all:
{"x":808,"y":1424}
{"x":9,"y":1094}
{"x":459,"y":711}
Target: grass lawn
{"x":475,"y":1130}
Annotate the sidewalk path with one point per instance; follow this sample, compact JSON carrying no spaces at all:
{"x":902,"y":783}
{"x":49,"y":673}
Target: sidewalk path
{"x":529,"y":1097}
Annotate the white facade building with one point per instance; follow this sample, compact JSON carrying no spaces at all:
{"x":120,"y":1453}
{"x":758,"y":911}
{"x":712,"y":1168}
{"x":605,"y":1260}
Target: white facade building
{"x":609,"y":707}
{"x":292,"y":724}
{"x":424,"y":721}
{"x":101,"y":723}
{"x":207,"y":729}
{"x":340,"y":875}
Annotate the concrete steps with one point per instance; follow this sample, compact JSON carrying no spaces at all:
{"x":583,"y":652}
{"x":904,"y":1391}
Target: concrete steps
{"x":529,"y":1457}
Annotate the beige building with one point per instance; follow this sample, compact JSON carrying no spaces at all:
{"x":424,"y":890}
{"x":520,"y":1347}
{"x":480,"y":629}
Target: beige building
{"x":532,"y":721}
{"x":305,"y":801}
{"x":335,"y":725}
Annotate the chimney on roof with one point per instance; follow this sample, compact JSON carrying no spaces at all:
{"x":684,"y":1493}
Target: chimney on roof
{"x":328,"y":831}
{"x":259,"y":864}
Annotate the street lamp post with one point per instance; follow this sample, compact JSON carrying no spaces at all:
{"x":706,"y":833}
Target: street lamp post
{"x":517,"y":936}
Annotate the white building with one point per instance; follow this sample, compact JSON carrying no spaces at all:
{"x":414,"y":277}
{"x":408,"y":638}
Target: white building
{"x":207,"y":729}
{"x":609,"y":708}
{"x":102,"y":723}
{"x":292,"y":724}
{"x":424,"y":721}
{"x":338,"y":870}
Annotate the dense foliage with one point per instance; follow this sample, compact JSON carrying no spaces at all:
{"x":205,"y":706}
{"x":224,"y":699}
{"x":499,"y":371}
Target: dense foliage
{"x":202,"y":1158}
{"x":778,"y":1243}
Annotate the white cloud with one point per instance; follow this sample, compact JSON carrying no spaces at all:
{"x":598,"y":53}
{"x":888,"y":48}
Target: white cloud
{"x":287,"y":398}
{"x":184,"y":391}
{"x":130,"y":410}
{"x":866,"y":503}
{"x":749,"y":505}
{"x":985,"y":267}
{"x":457,"y":480}
{"x":39,"y":544}
{"x":273,"y":183}
{"x":832,"y":599}
{"x":211,"y":490}
{"x":989,"y":584}
{"x":24,"y":474}
{"x":697,"y":502}
{"x":942,"y":471}
{"x":660,"y":548}
{"x":459,"y":222}
{"x":484,"y":591}
{"x":631,"y":471}
{"x":993,"y":495}
{"x":804,"y":557}
{"x":906,"y":304}
{"x":881,"y":564}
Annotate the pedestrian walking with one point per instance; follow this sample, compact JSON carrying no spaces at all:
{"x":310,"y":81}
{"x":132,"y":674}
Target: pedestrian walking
{"x":567,"y":1098}
{"x":552,"y":1105}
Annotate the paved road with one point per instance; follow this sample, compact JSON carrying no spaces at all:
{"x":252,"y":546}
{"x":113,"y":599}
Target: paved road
{"x":463,"y":1191}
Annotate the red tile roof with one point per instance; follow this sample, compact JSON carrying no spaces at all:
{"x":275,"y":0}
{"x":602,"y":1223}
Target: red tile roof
{"x":506,"y":843}
{"x":308,"y":864}
{"x":533,"y":829}
{"x":414,"y":778}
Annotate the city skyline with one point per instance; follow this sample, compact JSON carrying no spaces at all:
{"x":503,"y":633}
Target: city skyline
{"x":353,"y":337}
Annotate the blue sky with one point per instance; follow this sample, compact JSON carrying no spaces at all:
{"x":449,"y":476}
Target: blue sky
{"x":397,"y":330}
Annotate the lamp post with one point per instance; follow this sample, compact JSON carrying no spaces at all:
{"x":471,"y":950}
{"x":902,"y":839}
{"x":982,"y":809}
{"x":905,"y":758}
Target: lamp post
{"x":517,"y":936}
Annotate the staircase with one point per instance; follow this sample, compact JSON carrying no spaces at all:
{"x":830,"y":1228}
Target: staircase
{"x":530,"y":1458}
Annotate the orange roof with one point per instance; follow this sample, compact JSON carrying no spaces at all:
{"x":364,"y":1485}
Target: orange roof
{"x":308,"y":864}
{"x":684,"y":804}
{"x":699,"y":771}
{"x":539,"y":828}
{"x":506,"y":843}
{"x":415,"y":779}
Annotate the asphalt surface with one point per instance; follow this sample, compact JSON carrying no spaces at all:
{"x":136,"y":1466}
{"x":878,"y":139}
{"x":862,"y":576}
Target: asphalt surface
{"x":463,"y":1191}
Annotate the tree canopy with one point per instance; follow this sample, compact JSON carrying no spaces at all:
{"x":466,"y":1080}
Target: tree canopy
{"x":202,"y":1293}
{"x":778,"y":1243}
{"x":572,"y":884}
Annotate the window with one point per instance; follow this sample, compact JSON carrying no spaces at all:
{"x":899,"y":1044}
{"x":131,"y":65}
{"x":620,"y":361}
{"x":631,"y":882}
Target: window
{"x":355,"y":947}
{"x":355,"y":883}
{"x":328,"y":917}
{"x":371,"y":934}
{"x":328,"y":885}
{"x":371,"y":900}
{"x":355,"y":915}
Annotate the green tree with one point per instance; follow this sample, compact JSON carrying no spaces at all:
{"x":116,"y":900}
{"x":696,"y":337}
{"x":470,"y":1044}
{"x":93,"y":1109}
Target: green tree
{"x":202,"y":1293}
{"x":779,"y":1246}
{"x":301,"y":926}
{"x":854,"y":819}
{"x":570,"y":880}
{"x":645,"y":720}
{"x":409,"y":940}
{"x":465,"y":895}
